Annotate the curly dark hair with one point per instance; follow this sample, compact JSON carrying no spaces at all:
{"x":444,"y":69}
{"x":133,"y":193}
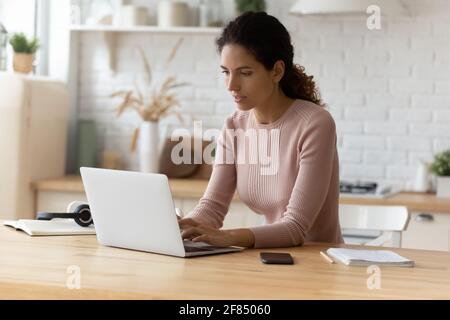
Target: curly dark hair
{"x":267,"y":39}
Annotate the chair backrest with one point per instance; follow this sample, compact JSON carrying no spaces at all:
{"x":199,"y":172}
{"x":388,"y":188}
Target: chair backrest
{"x":390,"y":220}
{"x":383,"y":218}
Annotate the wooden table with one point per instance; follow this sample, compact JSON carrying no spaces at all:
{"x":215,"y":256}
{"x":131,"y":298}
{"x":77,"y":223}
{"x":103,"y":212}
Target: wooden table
{"x":41,"y":268}
{"x":194,"y":189}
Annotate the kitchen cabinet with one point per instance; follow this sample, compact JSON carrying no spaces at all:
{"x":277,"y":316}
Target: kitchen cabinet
{"x":57,"y":201}
{"x":428,"y":231}
{"x":34,"y":113}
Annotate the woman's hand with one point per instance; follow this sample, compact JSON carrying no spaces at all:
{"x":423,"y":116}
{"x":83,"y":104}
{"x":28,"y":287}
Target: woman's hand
{"x":198,"y":232}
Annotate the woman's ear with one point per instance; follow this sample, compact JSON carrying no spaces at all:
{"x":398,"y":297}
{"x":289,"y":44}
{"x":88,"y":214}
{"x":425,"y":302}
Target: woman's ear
{"x":278,"y":71}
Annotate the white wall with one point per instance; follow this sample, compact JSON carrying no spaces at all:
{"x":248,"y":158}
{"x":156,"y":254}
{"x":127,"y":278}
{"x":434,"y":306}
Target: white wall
{"x":388,"y":90}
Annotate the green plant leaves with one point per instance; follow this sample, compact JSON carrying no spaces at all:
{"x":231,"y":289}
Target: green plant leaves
{"x":21,"y":44}
{"x":250,"y":5}
{"x":441,"y":164}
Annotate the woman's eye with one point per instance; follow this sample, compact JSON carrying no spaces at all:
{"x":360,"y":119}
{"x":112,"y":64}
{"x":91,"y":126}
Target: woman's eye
{"x":225,"y":72}
{"x":246,"y":74}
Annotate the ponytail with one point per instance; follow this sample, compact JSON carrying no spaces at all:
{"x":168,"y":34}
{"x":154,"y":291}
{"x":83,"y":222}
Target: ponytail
{"x":296,"y":84}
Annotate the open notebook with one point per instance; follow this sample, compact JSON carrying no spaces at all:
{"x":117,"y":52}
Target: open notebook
{"x":352,"y":257}
{"x":54,"y":227}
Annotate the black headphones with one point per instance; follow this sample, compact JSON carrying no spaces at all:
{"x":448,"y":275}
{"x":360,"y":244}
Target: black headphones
{"x":77,"y":210}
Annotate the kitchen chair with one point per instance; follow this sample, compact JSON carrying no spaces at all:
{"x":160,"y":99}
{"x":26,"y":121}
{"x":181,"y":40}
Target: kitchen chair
{"x":373,"y":225}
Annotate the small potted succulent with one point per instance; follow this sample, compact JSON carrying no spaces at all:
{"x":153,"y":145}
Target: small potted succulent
{"x":441,"y":168}
{"x":24,"y":50}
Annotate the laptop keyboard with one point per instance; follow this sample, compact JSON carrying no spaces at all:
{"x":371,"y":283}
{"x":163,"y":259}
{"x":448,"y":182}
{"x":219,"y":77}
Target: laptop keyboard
{"x":189,"y":248}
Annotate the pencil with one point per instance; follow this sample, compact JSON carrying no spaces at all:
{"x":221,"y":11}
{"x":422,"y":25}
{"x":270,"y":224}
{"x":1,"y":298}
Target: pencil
{"x":326,"y":257}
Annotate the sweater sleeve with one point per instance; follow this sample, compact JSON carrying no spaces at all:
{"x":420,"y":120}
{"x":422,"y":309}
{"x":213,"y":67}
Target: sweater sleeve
{"x":213,"y":206}
{"x":316,"y":148}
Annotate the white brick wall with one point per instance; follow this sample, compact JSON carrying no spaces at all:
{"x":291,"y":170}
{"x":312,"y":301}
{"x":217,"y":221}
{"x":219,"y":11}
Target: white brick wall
{"x":388,"y":89}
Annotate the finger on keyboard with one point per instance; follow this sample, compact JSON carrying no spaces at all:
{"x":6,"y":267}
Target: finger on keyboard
{"x":179,"y":213}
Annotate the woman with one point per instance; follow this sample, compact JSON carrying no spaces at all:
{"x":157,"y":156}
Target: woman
{"x":299,"y":194}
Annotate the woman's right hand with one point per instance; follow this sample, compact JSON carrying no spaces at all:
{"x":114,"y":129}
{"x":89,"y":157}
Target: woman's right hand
{"x":198,"y":232}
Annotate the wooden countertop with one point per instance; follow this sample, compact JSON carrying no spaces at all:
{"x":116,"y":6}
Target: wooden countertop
{"x":194,"y":189}
{"x":41,"y":268}
{"x":181,"y":188}
{"x":415,"y":201}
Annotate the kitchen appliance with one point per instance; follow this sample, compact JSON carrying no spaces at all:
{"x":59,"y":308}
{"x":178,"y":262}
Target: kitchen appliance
{"x":365,"y":189}
{"x":33,"y":134}
{"x":358,"y":187}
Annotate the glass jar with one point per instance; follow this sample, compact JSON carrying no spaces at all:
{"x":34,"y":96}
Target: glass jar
{"x":100,"y":12}
{"x":216,"y":10}
{"x":203,"y":13}
{"x":3,"y":43}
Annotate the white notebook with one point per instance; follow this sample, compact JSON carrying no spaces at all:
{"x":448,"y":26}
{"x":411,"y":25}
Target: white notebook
{"x":54,"y":227}
{"x":352,"y":257}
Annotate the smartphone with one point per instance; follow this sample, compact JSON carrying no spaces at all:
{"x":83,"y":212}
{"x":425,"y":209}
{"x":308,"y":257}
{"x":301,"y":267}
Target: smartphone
{"x":276,"y":258}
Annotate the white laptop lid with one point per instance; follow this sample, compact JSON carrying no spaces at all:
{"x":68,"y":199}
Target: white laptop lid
{"x":125,"y":206}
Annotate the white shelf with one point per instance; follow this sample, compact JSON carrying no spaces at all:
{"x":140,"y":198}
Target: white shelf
{"x":109,"y":34}
{"x":153,"y":29}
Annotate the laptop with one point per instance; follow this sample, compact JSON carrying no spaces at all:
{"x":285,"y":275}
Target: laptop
{"x":134,"y":210}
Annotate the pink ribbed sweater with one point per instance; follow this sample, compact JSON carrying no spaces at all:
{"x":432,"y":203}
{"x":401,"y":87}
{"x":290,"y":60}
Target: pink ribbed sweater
{"x":297,"y":191}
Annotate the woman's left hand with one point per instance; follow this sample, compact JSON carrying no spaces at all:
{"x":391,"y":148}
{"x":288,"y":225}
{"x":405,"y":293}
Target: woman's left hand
{"x":198,"y":232}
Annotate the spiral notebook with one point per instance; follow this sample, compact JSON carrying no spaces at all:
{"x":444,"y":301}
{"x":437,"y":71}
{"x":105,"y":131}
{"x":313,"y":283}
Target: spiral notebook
{"x":353,"y":257}
{"x":54,"y":227}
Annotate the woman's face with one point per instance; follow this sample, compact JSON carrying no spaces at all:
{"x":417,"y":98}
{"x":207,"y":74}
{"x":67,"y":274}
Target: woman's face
{"x":249,"y":82}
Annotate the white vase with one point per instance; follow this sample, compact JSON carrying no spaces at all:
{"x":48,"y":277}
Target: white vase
{"x":443,"y":186}
{"x":422,"y":181}
{"x":130,"y":16}
{"x":173,"y":14}
{"x":149,"y":147}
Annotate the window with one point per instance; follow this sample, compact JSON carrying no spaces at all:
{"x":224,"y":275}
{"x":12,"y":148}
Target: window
{"x":18,"y":16}
{"x":31,"y":18}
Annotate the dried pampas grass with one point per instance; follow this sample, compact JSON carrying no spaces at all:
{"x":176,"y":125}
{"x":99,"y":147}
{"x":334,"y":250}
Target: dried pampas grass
{"x":152,"y":104}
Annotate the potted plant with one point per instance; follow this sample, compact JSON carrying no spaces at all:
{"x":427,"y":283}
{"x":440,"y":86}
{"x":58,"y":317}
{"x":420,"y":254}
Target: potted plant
{"x":24,"y":51}
{"x":250,"y":5}
{"x":152,"y":104}
{"x":441,"y":168}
